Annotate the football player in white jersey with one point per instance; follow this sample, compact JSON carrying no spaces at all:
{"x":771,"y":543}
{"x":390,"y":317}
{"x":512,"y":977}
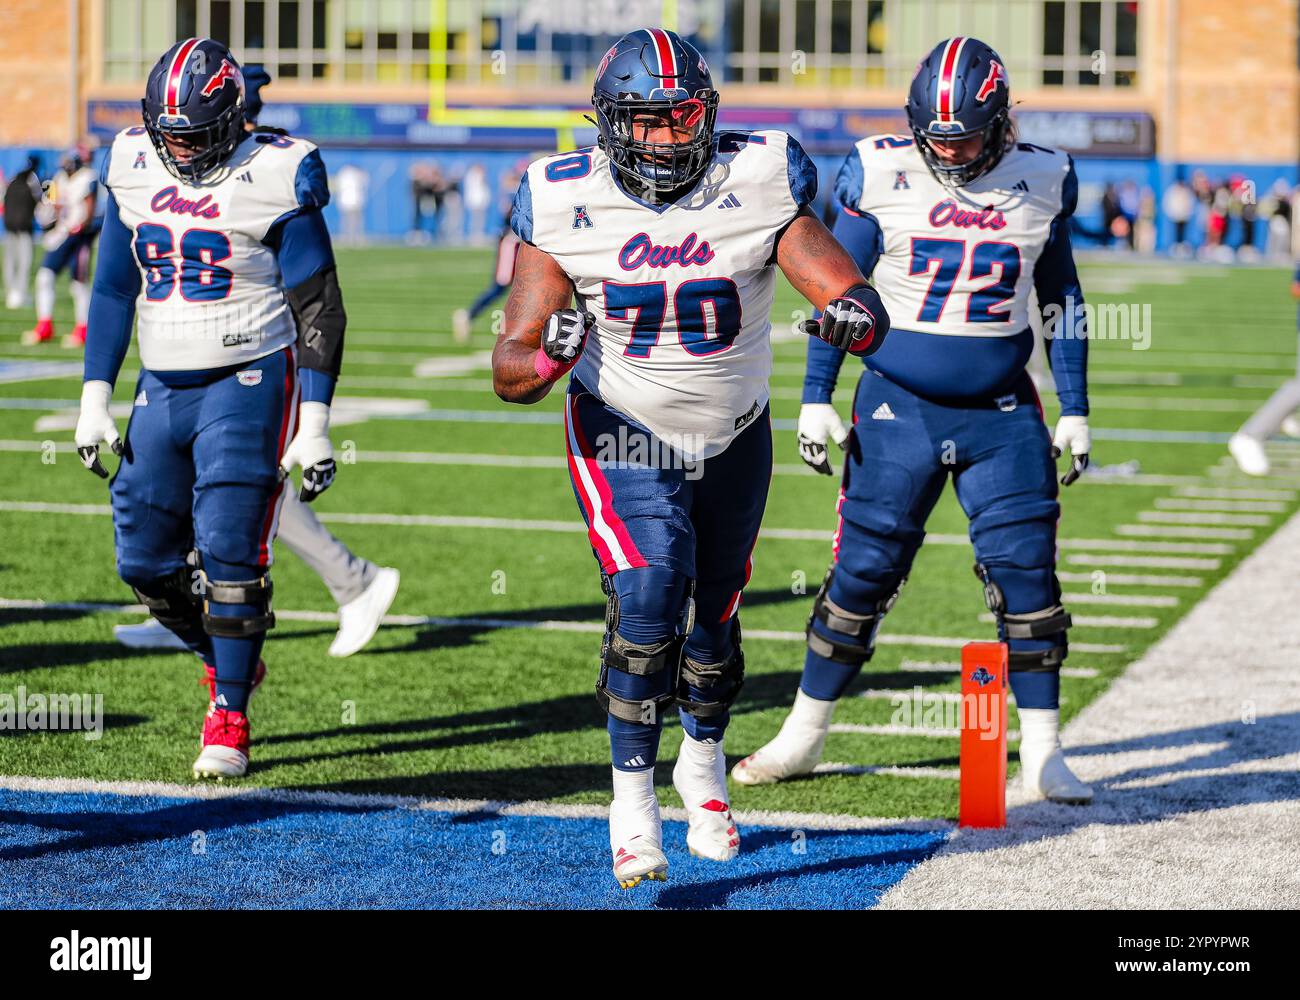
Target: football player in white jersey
{"x":668,"y":233}
{"x":362,"y":590}
{"x":958,"y":222}
{"x":213,"y":238}
{"x":69,"y":205}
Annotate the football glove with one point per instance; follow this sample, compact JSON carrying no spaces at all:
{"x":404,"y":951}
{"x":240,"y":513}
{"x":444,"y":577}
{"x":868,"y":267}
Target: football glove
{"x":563,"y":338}
{"x":817,"y":422}
{"x":855,"y":322}
{"x":1072,"y":433}
{"x":311,"y":449}
{"x":95,"y":426}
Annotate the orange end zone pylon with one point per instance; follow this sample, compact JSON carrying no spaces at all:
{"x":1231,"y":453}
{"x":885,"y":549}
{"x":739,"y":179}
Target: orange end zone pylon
{"x":983,"y":797}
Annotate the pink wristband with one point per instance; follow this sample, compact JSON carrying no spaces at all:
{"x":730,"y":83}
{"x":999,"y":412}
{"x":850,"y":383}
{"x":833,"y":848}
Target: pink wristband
{"x":548,"y":369}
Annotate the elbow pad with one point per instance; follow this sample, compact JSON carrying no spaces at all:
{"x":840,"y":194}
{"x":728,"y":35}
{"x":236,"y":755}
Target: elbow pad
{"x":317,"y":305}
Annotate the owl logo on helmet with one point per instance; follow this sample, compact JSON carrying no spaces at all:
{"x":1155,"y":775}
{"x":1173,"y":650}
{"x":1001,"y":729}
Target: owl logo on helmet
{"x":653,"y":81}
{"x":960,"y":90}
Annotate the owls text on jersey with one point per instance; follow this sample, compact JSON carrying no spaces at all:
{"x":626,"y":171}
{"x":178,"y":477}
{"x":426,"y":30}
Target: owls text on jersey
{"x":211,"y":294}
{"x":682,"y":292}
{"x":957,"y":261}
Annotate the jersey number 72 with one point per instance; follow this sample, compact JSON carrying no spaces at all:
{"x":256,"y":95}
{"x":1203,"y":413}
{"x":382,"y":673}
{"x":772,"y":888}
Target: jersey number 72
{"x":984,"y":258}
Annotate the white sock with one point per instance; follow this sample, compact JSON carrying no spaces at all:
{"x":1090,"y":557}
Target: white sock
{"x":635,"y":787}
{"x":1039,"y":732}
{"x":44,"y":293}
{"x":703,"y":767}
{"x":807,"y":716}
{"x":80,"y":301}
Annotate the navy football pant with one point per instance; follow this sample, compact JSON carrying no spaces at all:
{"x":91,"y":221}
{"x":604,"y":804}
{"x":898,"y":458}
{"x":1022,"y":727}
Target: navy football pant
{"x":662,"y":531}
{"x":200,"y":471}
{"x":901,"y":452}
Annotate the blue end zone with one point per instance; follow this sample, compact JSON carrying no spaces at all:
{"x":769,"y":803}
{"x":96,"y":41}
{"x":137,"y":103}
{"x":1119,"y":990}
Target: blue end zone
{"x":100,"y":851}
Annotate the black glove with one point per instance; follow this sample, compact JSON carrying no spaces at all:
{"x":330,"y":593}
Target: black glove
{"x":565,"y":333}
{"x":855,"y":322}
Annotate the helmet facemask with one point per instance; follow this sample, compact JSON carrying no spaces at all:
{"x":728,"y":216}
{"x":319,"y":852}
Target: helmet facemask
{"x":996,"y":139}
{"x":213,"y":142}
{"x":658,"y":167}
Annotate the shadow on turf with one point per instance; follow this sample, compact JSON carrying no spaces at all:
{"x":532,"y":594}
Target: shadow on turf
{"x":1170,"y":789}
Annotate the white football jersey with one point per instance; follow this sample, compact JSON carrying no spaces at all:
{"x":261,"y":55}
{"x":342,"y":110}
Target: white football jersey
{"x":957,"y":261}
{"x":67,"y":195}
{"x":682,"y":293}
{"x":211,"y":294}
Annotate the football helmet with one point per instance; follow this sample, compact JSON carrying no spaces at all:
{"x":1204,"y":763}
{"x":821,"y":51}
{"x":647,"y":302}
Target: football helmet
{"x":195,"y":94}
{"x":960,"y":90}
{"x":655,"y":71}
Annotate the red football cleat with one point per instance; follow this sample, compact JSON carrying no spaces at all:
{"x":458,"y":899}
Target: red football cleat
{"x":77,"y":338}
{"x":42,"y":333}
{"x":225,"y":745}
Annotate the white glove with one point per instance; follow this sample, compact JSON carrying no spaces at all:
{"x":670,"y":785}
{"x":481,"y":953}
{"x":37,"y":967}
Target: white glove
{"x":817,"y":422}
{"x":311,"y":449}
{"x":1072,"y":433}
{"x":95,"y":426}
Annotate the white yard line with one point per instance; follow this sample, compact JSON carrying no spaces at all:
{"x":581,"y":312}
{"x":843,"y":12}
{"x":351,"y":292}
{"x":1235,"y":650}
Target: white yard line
{"x":1202,"y":517}
{"x":892,"y":730}
{"x":1256,"y":506}
{"x":942,"y":773}
{"x":931,"y":666}
{"x":1219,"y":493}
{"x":1098,"y":621}
{"x":1194,"y":755}
{"x":1129,"y":600}
{"x":1146,"y":562}
{"x":1129,"y":579}
{"x":347,"y":800}
{"x":1179,"y":531}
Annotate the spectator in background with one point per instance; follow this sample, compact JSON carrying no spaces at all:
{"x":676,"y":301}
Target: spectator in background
{"x":22,"y":195}
{"x":351,"y":185}
{"x":1144,"y":230}
{"x":1276,"y":208}
{"x":477,"y":196}
{"x":1130,"y":205}
{"x":1179,"y":206}
{"x":1110,"y":214}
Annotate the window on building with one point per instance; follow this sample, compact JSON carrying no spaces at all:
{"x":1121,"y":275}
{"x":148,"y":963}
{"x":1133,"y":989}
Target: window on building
{"x":522,"y":44}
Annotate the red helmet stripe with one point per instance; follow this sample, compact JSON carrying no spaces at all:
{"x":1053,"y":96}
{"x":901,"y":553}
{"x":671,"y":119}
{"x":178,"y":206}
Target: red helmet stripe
{"x":667,"y":58}
{"x":947,"y":74}
{"x":172,"y":92}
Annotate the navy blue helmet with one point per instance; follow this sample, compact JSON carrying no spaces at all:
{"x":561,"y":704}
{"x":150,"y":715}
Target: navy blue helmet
{"x":654,"y":72}
{"x":195,"y":94}
{"x":960,"y":90}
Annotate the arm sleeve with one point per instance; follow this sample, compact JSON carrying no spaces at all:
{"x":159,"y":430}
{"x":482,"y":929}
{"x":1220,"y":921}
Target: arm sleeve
{"x":1056,"y":280}
{"x":860,"y":235}
{"x":307,"y":270}
{"x":112,"y":300}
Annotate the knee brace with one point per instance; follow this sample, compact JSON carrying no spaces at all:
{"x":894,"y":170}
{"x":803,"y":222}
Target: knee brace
{"x":852,"y":636}
{"x":172,"y":600}
{"x":717,"y":684}
{"x":251,"y":593}
{"x":639,"y":660}
{"x":1050,"y":623}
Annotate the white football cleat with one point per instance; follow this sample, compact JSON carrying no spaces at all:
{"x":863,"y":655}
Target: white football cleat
{"x":460,"y":327}
{"x":1050,"y":778}
{"x":359,"y":619}
{"x":150,"y":634}
{"x":1291,"y":426}
{"x":636,"y":843}
{"x":1249,"y":454}
{"x":796,"y":749}
{"x":700,"y":777}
